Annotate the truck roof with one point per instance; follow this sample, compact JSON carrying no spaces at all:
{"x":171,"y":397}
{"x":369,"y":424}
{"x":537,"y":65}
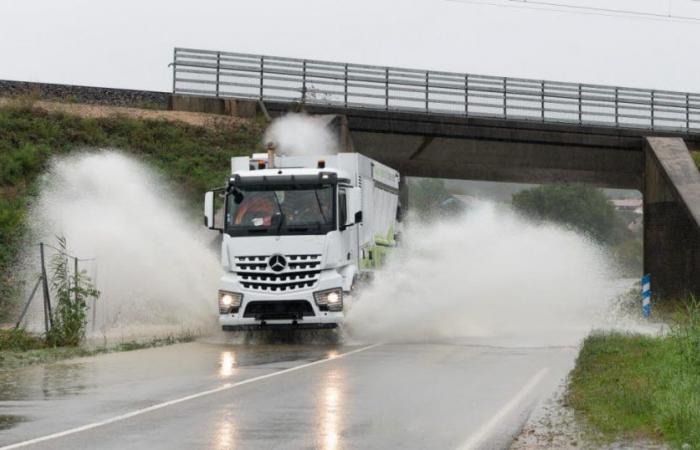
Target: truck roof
{"x":285,"y":171}
{"x":347,"y":166}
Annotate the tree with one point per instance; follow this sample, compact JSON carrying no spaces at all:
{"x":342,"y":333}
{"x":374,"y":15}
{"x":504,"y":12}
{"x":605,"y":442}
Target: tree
{"x":584,"y":208}
{"x":429,"y":198}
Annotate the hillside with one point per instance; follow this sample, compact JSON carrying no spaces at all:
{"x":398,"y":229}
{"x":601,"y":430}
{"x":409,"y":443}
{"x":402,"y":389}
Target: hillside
{"x":191,"y":149}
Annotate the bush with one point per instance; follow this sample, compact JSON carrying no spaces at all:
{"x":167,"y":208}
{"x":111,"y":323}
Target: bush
{"x":430,"y":199}
{"x":71,"y":292}
{"x":19,"y":340}
{"x":629,"y":254}
{"x":584,"y":208}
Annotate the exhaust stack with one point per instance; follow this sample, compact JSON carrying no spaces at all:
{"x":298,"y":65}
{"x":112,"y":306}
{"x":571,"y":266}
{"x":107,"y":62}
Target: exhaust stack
{"x":271,"y":147}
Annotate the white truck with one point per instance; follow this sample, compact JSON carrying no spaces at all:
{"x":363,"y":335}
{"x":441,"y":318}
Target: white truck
{"x":298,"y":233}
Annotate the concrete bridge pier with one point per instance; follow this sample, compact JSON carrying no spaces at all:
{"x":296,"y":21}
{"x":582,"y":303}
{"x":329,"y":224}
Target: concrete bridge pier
{"x":671,"y":219}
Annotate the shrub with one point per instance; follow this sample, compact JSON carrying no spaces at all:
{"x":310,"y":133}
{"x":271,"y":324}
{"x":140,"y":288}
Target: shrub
{"x":584,"y":208}
{"x":429,"y":198}
{"x":19,"y":340}
{"x":630,"y":256}
{"x":71,"y":291}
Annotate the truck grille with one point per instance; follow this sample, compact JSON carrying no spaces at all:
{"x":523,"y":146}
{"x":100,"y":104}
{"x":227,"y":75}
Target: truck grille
{"x":271,"y":310}
{"x":285,"y":273}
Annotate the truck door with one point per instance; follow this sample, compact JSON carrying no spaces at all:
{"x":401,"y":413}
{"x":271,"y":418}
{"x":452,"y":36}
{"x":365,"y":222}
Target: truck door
{"x":348,"y":235}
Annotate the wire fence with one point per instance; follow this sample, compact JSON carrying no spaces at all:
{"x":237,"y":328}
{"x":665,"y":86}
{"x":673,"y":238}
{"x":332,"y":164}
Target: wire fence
{"x":45,"y":280}
{"x":290,"y":80}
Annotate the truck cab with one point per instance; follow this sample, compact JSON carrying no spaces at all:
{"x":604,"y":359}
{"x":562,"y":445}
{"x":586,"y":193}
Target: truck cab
{"x":294,"y":238}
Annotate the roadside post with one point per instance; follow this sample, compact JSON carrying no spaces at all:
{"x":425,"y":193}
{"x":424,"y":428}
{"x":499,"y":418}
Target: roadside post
{"x":646,"y":295}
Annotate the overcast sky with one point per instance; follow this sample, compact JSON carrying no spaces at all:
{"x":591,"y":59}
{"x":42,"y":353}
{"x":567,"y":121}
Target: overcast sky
{"x":128,"y":43}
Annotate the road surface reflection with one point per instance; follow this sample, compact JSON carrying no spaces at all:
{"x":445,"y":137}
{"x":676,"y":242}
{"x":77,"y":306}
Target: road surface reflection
{"x":330,"y":410}
{"x":227,"y":364}
{"x":225,"y":436}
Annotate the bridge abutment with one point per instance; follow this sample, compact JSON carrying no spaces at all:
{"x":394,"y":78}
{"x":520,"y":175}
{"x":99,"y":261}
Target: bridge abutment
{"x":671,"y":219}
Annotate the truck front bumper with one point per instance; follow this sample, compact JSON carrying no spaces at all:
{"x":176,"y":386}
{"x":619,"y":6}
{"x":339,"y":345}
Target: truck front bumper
{"x":244,"y":321}
{"x":294,"y":310}
{"x":281,"y":326}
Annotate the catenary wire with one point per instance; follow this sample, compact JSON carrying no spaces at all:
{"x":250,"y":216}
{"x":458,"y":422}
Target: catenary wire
{"x":581,"y":10}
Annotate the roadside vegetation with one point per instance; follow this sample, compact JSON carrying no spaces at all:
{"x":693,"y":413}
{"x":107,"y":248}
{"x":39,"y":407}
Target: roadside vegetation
{"x":589,"y":211}
{"x":19,"y":348}
{"x":71,"y":293}
{"x":630,"y":387}
{"x":696,"y":157}
{"x":584,"y":208}
{"x":430,"y":199}
{"x":193,"y":157}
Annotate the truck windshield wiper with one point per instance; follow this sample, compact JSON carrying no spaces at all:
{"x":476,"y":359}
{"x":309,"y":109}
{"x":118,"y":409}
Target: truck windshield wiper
{"x":298,"y":228}
{"x":279,"y":208}
{"x":320,"y":208}
{"x":257,"y":230}
{"x":305,"y":227}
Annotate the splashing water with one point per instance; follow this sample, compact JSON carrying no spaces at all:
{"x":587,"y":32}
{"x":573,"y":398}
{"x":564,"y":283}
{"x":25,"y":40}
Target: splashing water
{"x":487,"y":274}
{"x":301,"y":134}
{"x":157,"y":271}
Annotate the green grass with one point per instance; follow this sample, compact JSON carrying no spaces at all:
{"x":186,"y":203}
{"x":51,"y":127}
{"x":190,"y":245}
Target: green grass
{"x":194,"y":158}
{"x":628,"y":386}
{"x":35,"y":350}
{"x":19,"y":340}
{"x":696,"y":158}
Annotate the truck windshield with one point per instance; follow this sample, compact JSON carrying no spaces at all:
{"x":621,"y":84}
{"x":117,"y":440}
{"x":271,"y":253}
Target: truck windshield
{"x":280,"y":209}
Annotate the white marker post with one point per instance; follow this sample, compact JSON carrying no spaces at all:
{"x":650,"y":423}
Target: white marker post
{"x":646,"y":295}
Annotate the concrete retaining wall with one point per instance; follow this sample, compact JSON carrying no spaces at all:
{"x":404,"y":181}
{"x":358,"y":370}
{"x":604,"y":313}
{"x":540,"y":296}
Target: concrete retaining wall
{"x":215,"y":105}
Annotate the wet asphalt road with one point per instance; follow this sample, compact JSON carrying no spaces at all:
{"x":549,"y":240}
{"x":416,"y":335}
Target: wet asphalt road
{"x":464,"y":394}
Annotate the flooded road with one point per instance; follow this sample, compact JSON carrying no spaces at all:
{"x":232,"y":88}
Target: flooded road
{"x":460,"y":394}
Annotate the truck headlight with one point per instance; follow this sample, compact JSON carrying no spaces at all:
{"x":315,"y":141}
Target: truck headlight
{"x":330,"y":299}
{"x":229,"y":302}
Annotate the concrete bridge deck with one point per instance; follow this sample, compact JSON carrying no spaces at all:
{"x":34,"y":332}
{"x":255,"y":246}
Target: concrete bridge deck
{"x":346,"y":87}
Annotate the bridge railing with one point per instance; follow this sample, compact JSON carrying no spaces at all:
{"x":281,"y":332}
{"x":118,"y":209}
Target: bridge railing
{"x":277,"y":79}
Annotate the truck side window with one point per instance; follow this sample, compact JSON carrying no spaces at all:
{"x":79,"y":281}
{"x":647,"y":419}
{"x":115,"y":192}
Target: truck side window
{"x":342,"y":207}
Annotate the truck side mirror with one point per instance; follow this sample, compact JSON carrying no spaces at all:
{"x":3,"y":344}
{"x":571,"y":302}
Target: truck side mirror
{"x":210,"y":211}
{"x":354,"y":206}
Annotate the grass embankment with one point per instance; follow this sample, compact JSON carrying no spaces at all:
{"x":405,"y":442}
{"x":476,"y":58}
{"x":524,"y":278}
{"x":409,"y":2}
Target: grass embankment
{"x":630,"y":387}
{"x":696,"y":157}
{"x":19,"y":348}
{"x":193,"y":157}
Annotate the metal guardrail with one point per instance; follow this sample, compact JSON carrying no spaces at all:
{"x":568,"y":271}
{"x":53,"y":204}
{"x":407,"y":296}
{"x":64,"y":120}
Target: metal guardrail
{"x":276,"y":79}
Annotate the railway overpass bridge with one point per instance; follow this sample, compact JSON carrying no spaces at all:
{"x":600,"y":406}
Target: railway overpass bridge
{"x":464,"y":126}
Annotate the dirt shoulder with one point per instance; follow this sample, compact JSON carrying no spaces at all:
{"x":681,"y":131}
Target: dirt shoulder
{"x":99,"y":111}
{"x":553,"y":425}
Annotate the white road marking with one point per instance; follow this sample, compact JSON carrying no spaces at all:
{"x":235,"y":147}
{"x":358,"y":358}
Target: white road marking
{"x":486,"y":429}
{"x":155,"y":407}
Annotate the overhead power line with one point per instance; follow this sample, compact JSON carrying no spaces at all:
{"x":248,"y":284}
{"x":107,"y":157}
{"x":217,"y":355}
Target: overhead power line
{"x":608,"y":10}
{"x":543,"y":5}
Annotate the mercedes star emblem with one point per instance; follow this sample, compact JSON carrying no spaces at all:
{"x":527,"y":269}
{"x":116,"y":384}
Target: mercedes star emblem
{"x":277,"y":263}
